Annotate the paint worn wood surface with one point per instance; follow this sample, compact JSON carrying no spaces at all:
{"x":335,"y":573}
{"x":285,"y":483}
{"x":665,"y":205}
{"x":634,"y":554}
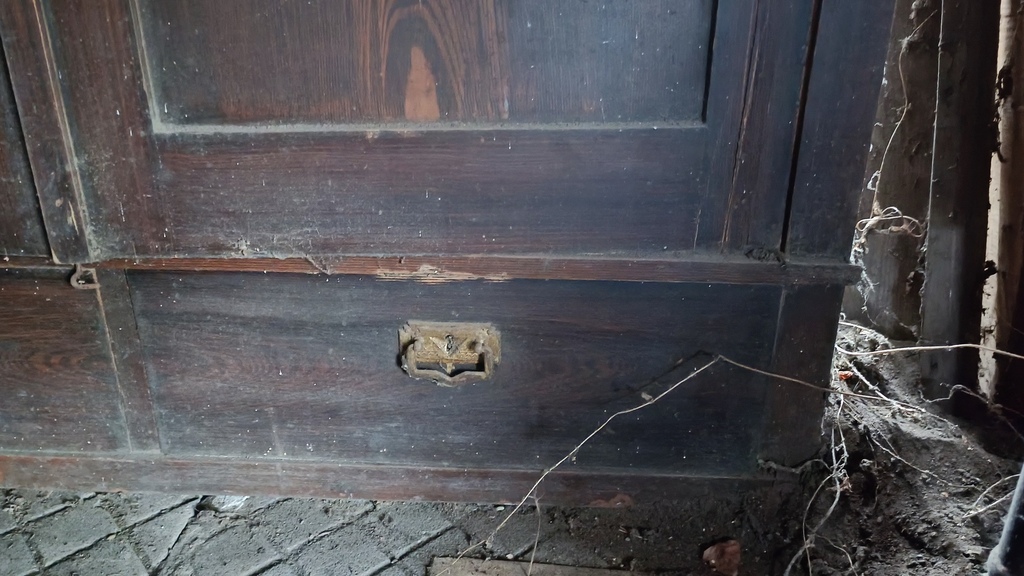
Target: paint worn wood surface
{"x":258,"y":366}
{"x":21,"y":223}
{"x":59,"y":389}
{"x":568,"y":128}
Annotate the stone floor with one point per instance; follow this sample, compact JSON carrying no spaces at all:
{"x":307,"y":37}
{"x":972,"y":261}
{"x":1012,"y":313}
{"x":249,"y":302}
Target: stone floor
{"x":113,"y":534}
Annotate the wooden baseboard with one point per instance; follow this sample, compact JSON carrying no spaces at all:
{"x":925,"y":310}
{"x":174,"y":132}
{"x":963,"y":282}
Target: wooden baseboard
{"x":309,"y":478}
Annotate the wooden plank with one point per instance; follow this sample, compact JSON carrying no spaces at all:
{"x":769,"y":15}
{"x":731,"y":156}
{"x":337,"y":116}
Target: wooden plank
{"x":841,"y":99}
{"x":441,"y":269}
{"x":500,"y":192}
{"x":60,"y":390}
{"x":254,"y":365}
{"x":958,"y":212}
{"x":292,"y":190}
{"x":126,"y":352}
{"x":756,"y":199}
{"x":744,"y":209}
{"x":376,"y":62}
{"x":112,"y":132}
{"x":1008,"y":306}
{"x":21,"y":222}
{"x":734,"y":43}
{"x":28,"y":46}
{"x":286,"y":477}
{"x":803,"y":350}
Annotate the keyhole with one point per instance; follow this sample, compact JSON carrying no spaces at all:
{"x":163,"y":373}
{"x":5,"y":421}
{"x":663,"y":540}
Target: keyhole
{"x":449,"y":343}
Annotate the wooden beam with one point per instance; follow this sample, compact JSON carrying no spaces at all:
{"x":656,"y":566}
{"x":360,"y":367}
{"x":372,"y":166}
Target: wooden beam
{"x":957,"y":214}
{"x":898,"y":177}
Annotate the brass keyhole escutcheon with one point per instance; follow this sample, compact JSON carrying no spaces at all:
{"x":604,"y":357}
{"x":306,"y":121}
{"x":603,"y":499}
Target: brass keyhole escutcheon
{"x":449,"y":353}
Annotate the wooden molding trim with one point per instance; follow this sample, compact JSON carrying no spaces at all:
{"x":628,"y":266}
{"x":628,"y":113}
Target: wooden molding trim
{"x":440,"y":269}
{"x":114,"y":473}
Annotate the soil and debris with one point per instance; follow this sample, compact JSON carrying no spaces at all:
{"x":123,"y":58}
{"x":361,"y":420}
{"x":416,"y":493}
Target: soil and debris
{"x":902,"y":487}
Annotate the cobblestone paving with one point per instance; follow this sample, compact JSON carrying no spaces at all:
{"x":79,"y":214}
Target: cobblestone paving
{"x":139,"y":534}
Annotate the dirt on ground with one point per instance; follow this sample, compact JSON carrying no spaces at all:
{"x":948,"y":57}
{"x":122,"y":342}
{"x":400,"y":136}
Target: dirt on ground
{"x":903,"y":487}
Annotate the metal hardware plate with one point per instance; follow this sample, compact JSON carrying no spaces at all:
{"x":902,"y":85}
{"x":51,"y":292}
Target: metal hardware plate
{"x":449,"y":353}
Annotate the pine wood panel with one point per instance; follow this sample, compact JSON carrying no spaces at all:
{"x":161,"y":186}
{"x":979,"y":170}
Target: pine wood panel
{"x":379,"y":61}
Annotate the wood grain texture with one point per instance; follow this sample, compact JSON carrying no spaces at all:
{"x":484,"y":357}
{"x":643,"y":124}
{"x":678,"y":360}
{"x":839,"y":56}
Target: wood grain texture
{"x":60,"y":391}
{"x":378,"y":61}
{"x":558,"y":187}
{"x":454,"y":192}
{"x":21,"y":222}
{"x":842,"y":93}
{"x":803,"y":349}
{"x":443,"y":269}
{"x":756,"y":201}
{"x":31,"y":262}
{"x":94,"y":47}
{"x":28,"y":47}
{"x":126,"y":353}
{"x":289,"y":477}
{"x":253,"y":365}
{"x":753,"y":101}
{"x":957,"y":212}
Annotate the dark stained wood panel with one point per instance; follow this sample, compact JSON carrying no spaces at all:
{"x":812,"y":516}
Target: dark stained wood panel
{"x":21,"y":222}
{"x":76,"y":90}
{"x":125,"y":350}
{"x":303,"y":367}
{"x":841,"y":100}
{"x":803,"y":350}
{"x":28,"y":55}
{"x":369,"y":61}
{"x":518,"y":192}
{"x":566,"y":184}
{"x":59,"y":388}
